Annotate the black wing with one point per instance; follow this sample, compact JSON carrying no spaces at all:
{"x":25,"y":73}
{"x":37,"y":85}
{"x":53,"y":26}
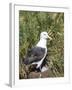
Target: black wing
{"x":34,"y":55}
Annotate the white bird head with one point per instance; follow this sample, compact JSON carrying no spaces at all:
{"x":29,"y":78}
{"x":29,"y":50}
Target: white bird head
{"x":45,"y":35}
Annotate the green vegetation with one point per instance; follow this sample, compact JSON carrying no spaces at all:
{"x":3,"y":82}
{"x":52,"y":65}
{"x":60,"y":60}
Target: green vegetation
{"x":31,"y":24}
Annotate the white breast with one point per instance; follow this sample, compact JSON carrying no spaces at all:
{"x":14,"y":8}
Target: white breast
{"x":42,"y":43}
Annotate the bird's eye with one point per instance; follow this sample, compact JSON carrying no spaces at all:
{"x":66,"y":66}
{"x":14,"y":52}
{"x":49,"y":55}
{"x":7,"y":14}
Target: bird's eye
{"x":44,"y":34}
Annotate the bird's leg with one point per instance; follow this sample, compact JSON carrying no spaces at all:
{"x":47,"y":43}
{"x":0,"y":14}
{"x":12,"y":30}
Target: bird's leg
{"x":40,"y":72}
{"x":40,"y":68}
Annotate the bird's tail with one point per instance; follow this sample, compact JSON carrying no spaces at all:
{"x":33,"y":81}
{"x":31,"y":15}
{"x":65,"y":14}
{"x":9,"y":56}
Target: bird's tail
{"x":26,"y":62}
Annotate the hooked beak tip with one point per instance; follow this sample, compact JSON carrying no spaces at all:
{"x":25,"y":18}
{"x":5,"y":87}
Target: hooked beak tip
{"x":50,"y":38}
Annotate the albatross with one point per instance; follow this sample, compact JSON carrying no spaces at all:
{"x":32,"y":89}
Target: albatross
{"x":37,"y":54}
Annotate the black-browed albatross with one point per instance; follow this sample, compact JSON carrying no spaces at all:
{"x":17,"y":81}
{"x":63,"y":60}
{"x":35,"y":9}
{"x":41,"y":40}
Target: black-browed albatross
{"x":38,"y":53}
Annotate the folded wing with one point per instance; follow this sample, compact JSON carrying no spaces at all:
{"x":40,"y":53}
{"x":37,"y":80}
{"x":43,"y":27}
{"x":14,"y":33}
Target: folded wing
{"x":34,"y":55}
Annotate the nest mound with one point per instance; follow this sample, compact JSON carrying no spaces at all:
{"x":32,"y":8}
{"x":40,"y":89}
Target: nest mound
{"x":28,"y":72}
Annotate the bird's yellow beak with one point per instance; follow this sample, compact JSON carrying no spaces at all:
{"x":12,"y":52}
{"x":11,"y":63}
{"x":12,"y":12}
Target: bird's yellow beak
{"x":49,"y":37}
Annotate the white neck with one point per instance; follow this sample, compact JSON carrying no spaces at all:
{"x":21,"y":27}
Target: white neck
{"x":42,"y":43}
